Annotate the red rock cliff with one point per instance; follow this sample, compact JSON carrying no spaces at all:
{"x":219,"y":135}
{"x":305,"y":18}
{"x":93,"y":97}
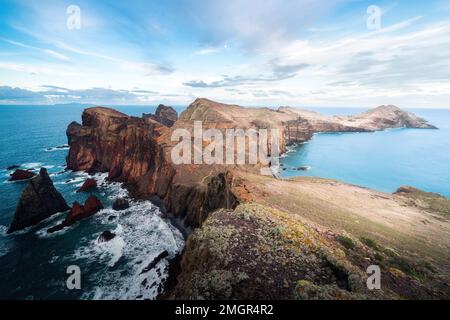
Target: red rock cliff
{"x":136,"y":151}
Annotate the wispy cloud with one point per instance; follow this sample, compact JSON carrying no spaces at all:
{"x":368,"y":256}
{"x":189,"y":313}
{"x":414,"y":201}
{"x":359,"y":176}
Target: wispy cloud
{"x":147,"y":68}
{"x":49,"y":52}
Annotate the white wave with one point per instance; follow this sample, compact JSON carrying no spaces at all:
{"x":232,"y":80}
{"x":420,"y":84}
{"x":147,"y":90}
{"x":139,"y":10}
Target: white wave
{"x":43,"y":234}
{"x":141,"y":235}
{"x":3,"y":230}
{"x":53,"y":259}
{"x":114,"y":189}
{"x":58,"y":148}
{"x":32,"y":165}
{"x":4,"y":245}
{"x":56,"y":174}
{"x":114,"y":248}
{"x":77,"y":181}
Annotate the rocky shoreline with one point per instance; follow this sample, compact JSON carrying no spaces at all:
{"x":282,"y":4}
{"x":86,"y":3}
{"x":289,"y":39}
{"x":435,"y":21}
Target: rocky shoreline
{"x":249,"y":229}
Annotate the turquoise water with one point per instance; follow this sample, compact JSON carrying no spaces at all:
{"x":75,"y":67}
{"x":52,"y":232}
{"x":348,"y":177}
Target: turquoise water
{"x":382,"y":160}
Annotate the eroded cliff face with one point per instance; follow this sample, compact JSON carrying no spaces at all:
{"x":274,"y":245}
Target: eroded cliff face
{"x":136,"y":151}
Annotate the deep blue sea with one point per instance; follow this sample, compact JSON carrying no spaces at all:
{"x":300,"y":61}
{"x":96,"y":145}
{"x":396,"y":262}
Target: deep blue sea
{"x":33,"y":264}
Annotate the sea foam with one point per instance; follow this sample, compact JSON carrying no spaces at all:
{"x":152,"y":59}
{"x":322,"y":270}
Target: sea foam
{"x":141,"y":234}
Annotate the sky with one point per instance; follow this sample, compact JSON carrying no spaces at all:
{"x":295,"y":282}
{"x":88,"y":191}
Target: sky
{"x":331,"y":53}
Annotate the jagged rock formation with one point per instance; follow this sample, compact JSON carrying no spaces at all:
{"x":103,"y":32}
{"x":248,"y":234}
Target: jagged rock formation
{"x":137,"y":151}
{"x":78,"y":212}
{"x":164,"y":115}
{"x":88,"y":185}
{"x":38,"y":201}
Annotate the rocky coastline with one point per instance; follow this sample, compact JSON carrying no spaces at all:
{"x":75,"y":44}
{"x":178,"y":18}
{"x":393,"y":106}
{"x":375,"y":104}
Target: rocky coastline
{"x":258,"y":237}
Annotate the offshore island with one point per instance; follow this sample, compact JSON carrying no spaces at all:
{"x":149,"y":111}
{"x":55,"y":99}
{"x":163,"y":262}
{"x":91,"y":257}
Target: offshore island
{"x":250,"y":236}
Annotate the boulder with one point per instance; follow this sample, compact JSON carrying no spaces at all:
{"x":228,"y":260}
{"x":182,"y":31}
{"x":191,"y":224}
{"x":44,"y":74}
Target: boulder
{"x":38,"y":201}
{"x":88,"y":185}
{"x":121,"y":204}
{"x":20,"y":175}
{"x":106,"y":236}
{"x":12,"y":167}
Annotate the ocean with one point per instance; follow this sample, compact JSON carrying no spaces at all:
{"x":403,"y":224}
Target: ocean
{"x":33,"y":264}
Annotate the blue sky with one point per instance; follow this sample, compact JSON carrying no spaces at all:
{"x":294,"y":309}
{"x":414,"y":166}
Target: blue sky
{"x":275,"y":52}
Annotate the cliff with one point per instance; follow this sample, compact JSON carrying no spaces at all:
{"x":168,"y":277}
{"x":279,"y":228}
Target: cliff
{"x":261,"y":237}
{"x":137,"y":151}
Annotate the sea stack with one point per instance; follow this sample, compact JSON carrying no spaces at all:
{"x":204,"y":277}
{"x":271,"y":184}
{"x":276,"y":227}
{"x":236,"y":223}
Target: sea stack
{"x":79,"y":212}
{"x":38,"y":201}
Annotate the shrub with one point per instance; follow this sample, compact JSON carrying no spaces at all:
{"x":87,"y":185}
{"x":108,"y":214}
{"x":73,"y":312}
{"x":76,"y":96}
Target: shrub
{"x":346,"y":242}
{"x":370,"y":243}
